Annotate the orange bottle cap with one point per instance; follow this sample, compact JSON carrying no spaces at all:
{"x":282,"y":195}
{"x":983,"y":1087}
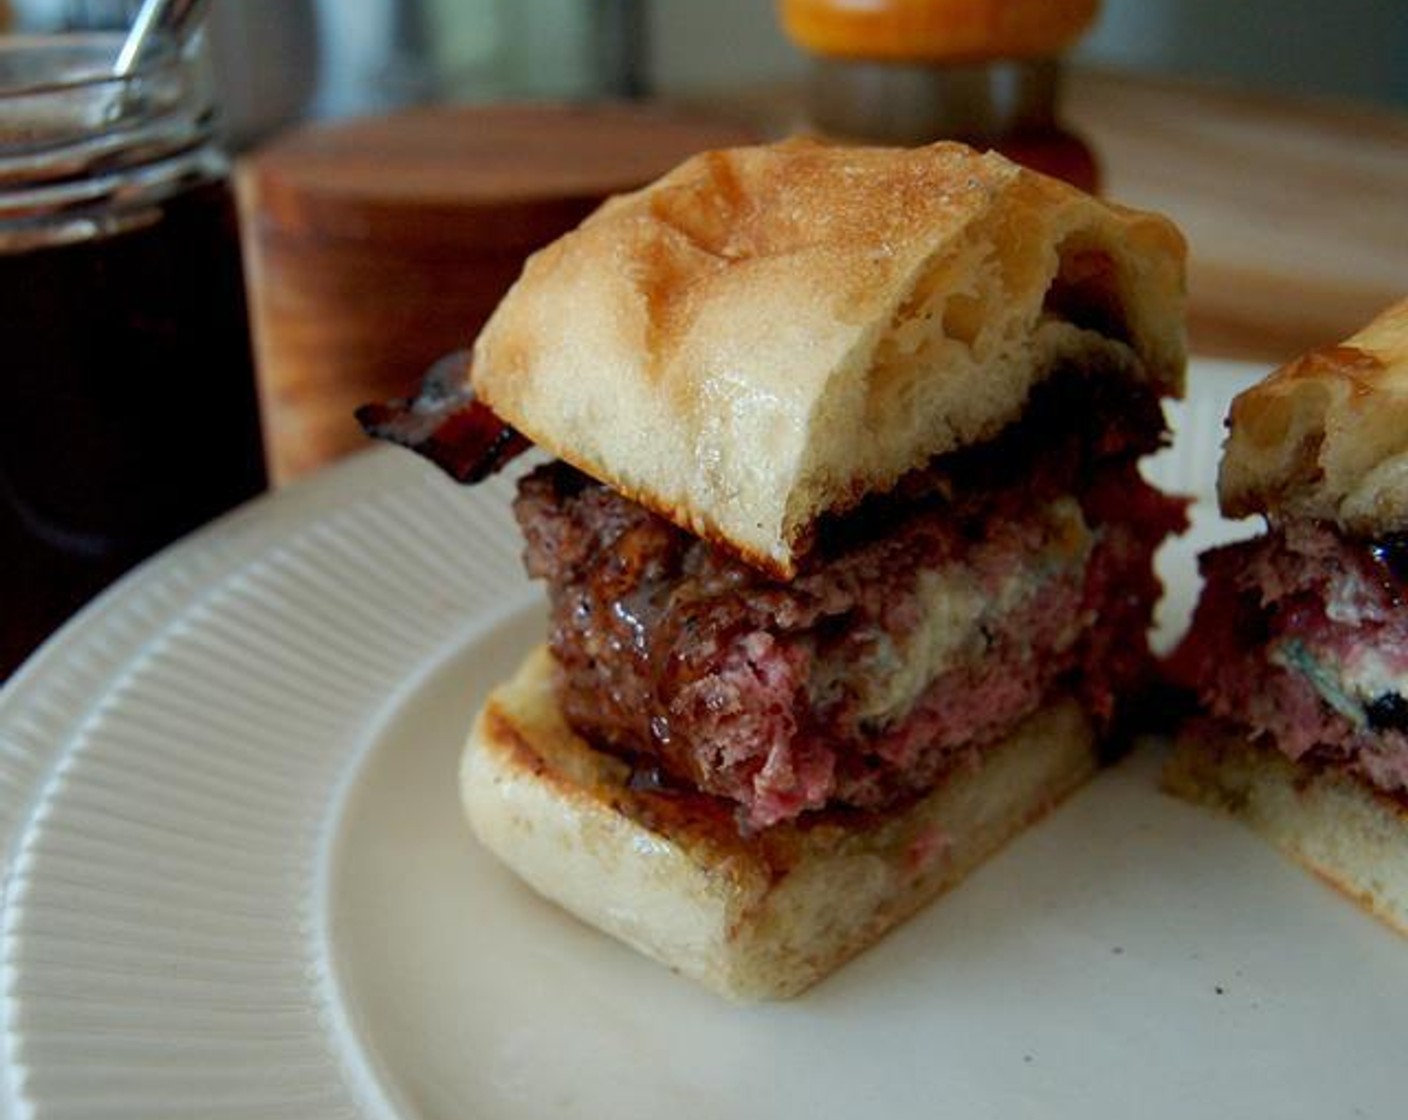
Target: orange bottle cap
{"x":936,"y":30}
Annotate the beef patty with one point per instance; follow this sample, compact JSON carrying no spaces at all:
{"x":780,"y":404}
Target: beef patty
{"x":1301,"y":641}
{"x":923,"y":625}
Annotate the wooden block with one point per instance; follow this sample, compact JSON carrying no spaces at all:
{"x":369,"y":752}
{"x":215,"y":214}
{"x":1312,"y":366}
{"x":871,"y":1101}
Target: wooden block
{"x":373,"y":247}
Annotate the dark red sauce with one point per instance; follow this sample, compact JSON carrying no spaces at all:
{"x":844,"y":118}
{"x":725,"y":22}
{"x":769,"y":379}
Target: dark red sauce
{"x":129,"y":414}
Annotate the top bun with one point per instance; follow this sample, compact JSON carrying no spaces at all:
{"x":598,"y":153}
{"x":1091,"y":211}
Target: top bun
{"x":1326,"y":436}
{"x":769,"y":334}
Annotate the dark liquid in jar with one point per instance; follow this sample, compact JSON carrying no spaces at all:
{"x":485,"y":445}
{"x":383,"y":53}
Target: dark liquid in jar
{"x":129,"y":414}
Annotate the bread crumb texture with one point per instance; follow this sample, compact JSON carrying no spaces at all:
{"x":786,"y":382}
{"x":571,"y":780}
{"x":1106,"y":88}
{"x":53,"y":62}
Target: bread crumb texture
{"x":767,"y":334}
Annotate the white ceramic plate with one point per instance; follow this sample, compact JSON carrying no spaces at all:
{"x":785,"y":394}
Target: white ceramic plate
{"x":237,"y":883}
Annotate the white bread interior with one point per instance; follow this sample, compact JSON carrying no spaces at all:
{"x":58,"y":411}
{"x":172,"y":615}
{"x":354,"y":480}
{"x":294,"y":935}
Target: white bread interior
{"x":750,"y":918}
{"x":1326,"y":436}
{"x":768,"y":334}
{"x":1348,"y":833}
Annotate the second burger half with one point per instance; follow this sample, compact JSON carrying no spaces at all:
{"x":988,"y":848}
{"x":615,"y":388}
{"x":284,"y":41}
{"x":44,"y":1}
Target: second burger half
{"x":848,"y":555}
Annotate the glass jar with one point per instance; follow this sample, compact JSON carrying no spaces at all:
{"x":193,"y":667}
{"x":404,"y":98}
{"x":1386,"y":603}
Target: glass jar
{"x":129,"y":411}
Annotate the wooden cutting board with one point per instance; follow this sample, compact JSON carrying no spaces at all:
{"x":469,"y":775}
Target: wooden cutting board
{"x":373,"y":247}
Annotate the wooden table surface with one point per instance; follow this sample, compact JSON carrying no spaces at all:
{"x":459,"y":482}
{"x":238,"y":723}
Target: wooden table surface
{"x":1296,"y":211}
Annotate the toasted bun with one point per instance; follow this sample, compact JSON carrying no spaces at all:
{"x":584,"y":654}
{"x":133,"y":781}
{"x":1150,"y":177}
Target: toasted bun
{"x":768,"y":334}
{"x":759,"y":918}
{"x":1326,"y":436}
{"x":1342,"y":829}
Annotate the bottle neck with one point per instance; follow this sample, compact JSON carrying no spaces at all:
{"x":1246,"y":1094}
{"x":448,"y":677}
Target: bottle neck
{"x":913,"y":103}
{"x":84,"y":153}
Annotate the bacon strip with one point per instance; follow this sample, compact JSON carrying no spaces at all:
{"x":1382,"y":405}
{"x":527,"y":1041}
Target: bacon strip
{"x":446,"y":424}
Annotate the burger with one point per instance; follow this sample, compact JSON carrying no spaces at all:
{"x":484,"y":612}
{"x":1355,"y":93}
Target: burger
{"x":1298,"y":649}
{"x":846,"y":549}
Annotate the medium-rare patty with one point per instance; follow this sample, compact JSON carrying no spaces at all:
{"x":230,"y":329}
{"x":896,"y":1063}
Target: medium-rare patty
{"x":1301,"y":640}
{"x":923,"y":627}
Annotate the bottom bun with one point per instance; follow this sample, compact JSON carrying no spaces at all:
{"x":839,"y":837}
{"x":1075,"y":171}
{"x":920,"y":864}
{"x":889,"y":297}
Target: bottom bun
{"x":1348,"y":833}
{"x":760,"y":917}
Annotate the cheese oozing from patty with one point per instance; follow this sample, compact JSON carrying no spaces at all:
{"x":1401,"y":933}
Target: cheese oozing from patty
{"x":959,"y":609}
{"x":1351,"y":685}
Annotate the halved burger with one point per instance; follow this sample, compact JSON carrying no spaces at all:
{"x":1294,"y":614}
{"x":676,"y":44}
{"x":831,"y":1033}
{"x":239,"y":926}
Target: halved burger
{"x":1298,"y":650}
{"x":846,"y":547}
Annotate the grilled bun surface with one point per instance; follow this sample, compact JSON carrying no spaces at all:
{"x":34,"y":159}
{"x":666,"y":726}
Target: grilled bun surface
{"x":767,"y":334}
{"x":1326,"y":436}
{"x":751,"y":918}
{"x":1352,"y":836}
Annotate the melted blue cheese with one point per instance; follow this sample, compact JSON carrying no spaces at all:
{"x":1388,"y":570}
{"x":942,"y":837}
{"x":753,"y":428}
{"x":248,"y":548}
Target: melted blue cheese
{"x":957,"y":612}
{"x":1348,"y":687}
